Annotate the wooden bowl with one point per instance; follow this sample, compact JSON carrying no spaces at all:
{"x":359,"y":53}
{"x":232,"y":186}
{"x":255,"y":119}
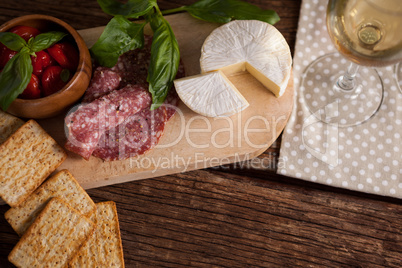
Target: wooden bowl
{"x":58,"y":102}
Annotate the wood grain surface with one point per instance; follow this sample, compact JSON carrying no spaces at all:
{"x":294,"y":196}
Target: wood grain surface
{"x":239,"y":215}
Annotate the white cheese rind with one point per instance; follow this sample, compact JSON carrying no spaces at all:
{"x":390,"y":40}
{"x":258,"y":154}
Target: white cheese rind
{"x":259,"y":45}
{"x":210,"y":94}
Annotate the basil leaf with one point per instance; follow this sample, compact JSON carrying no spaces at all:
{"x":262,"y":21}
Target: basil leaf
{"x":12,"y":41}
{"x":222,"y":11}
{"x":165,"y":57}
{"x":119,"y":36}
{"x":65,"y":75}
{"x":14,"y":78}
{"x":132,"y":9}
{"x":45,"y":40}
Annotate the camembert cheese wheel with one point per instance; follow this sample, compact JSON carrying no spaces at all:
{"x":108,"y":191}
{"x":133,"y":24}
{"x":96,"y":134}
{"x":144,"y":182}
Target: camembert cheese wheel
{"x":251,"y":45}
{"x":210,"y":94}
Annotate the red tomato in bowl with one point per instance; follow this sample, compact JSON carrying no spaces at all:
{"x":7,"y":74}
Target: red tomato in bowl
{"x":26,"y":32}
{"x":32,"y":91}
{"x":5,"y":55}
{"x":52,"y":67}
{"x":41,"y":62}
{"x":54,"y":78}
{"x":65,"y":54}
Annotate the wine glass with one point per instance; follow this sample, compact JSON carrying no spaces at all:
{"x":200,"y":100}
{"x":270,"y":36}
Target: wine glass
{"x":342,"y":88}
{"x":398,"y":75}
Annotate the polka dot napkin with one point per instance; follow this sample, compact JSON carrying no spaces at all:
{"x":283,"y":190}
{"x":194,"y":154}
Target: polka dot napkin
{"x":367,"y":157}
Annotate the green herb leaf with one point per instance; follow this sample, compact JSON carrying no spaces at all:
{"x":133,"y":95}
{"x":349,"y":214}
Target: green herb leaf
{"x":222,"y":11}
{"x":65,"y":75}
{"x":45,"y":40}
{"x":14,"y":78}
{"x":165,"y":57}
{"x":119,"y":36}
{"x":12,"y":41}
{"x":132,"y":9}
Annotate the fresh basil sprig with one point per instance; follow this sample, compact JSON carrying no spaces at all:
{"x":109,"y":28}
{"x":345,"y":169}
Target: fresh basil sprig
{"x":119,"y":36}
{"x":14,"y":78}
{"x":222,"y":11}
{"x":44,"y":40}
{"x":18,"y":71}
{"x":12,"y":41}
{"x":165,"y":58}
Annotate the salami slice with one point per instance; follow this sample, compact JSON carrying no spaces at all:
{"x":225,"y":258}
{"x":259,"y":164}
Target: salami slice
{"x":132,"y":66}
{"x":171,"y":102}
{"x":103,"y":81}
{"x":116,"y":123}
{"x":90,"y":121}
{"x":172,"y":99}
{"x":136,"y":135}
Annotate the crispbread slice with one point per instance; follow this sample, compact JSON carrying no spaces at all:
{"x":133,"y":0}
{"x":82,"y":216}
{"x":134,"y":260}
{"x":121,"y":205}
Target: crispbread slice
{"x":104,"y":247}
{"x":53,"y":238}
{"x":8,"y":125}
{"x":62,"y":185}
{"x":27,"y":157}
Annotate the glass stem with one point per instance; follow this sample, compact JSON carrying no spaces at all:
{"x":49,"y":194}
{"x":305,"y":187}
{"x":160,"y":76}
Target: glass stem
{"x":347,"y":81}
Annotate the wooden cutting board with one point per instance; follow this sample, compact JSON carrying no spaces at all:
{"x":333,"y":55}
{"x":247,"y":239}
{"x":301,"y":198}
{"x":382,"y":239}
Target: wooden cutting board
{"x":190,"y":141}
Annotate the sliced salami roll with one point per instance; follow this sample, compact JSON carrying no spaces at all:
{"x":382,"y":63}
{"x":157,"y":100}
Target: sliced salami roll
{"x":114,"y":95}
{"x":103,"y":81}
{"x":135,"y":136}
{"x":90,"y":121}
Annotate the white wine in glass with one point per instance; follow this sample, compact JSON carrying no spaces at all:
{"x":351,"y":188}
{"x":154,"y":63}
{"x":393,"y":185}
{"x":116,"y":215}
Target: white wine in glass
{"x":367,"y":32}
{"x":339,"y":90}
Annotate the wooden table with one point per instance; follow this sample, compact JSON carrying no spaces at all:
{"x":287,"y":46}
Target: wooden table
{"x":241,"y":215}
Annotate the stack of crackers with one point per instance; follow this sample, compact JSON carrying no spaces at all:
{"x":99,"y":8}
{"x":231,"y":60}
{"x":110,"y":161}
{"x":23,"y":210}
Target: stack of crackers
{"x":59,"y":224}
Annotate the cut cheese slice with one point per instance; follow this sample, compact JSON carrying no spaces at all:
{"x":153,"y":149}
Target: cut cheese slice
{"x":210,"y":94}
{"x":251,"y":45}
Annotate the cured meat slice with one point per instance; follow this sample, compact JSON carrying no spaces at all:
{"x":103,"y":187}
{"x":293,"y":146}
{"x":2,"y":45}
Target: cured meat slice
{"x":171,"y":102}
{"x":90,"y":121}
{"x":132,"y":66}
{"x":172,"y":99}
{"x":103,"y":81}
{"x":135,"y":136}
{"x":103,"y":122}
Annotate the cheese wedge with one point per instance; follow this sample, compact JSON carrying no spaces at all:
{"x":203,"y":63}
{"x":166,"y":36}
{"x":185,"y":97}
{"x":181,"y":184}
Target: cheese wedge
{"x":251,"y":45}
{"x":210,"y":94}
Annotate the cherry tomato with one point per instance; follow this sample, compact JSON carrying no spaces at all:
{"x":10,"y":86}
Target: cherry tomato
{"x":32,"y":91}
{"x":5,"y":55}
{"x":26,"y":32}
{"x":54,"y":78}
{"x":65,"y":54}
{"x":41,"y":62}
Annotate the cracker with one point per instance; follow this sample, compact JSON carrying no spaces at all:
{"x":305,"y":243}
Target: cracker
{"x":27,"y":157}
{"x":8,"y":125}
{"x":62,"y":185}
{"x":104,"y":247}
{"x":53,"y":238}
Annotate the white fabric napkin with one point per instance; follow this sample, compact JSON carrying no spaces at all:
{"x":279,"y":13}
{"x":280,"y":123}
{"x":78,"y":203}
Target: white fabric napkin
{"x":365,"y":158}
